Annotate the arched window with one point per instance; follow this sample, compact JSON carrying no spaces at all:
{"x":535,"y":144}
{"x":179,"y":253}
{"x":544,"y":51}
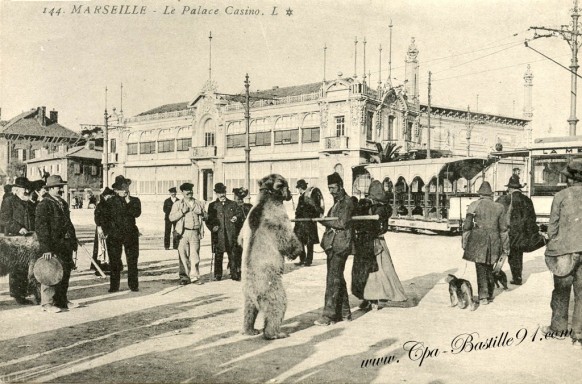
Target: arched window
{"x":209,"y":129}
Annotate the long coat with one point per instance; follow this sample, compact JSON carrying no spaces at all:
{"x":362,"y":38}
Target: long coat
{"x":565,"y":226}
{"x":15,"y":215}
{"x":306,"y":231}
{"x":522,"y":223}
{"x":54,"y":228}
{"x":220,"y":215}
{"x":120,"y":218}
{"x":488,"y":239}
{"x":365,"y":232}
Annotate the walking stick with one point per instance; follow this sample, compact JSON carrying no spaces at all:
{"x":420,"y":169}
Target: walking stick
{"x":92,"y":261}
{"x":212,"y":260}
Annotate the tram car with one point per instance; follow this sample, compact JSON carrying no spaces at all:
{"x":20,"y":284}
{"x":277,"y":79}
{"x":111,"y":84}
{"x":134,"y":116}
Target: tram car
{"x":540,"y":167}
{"x":430,"y":194}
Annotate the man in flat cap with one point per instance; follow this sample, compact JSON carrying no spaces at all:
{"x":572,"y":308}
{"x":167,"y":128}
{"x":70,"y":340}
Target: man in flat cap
{"x":337,"y":244}
{"x":169,"y":226}
{"x":564,"y":255}
{"x":18,"y":220}
{"x":224,"y":216}
{"x":122,"y":233}
{"x":188,"y":215}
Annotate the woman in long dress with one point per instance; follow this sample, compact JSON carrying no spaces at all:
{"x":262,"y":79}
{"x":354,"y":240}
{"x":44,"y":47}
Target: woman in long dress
{"x":374,"y":278}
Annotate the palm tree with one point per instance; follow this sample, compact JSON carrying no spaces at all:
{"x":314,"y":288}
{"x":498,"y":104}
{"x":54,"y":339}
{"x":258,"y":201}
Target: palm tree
{"x":389,"y":153}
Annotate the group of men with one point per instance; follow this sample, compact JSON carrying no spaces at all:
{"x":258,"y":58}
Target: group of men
{"x":184,"y":224}
{"x":38,"y":206}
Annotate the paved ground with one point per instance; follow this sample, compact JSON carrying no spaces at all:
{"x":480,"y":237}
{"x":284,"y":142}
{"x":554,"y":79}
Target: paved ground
{"x":191,"y":334}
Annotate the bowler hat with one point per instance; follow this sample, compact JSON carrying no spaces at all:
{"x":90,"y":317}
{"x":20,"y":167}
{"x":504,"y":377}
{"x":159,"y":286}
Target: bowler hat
{"x":241,"y":192}
{"x":186,"y":187}
{"x":21,"y":182}
{"x":121,"y":183}
{"x":335,"y":178}
{"x":485,"y":189}
{"x":37,"y":185}
{"x":514,"y":182}
{"x":48,"y":271}
{"x":301,"y":184}
{"x":376,"y":192}
{"x":172,"y":190}
{"x":55,"y":181}
{"x":219,"y":188}
{"x":108,"y":192}
{"x":573,"y":170}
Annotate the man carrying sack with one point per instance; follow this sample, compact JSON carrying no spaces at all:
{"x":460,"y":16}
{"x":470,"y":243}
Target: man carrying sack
{"x":563,"y":254}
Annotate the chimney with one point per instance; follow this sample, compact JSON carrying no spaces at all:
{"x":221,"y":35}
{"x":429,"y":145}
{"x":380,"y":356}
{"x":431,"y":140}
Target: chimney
{"x":42,"y":116}
{"x":54,"y":116}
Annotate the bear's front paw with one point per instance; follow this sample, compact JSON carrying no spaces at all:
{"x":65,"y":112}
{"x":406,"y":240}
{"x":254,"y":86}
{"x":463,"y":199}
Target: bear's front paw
{"x":279,"y":335}
{"x":250,"y":332}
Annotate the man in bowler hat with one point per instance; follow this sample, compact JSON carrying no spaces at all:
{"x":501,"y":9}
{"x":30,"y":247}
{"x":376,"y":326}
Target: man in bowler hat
{"x":522,"y":224}
{"x":169,"y":226}
{"x":563,"y":254}
{"x":337,"y":244}
{"x":306,"y":231}
{"x":224,"y":216}
{"x":122,"y":232}
{"x":57,"y":238}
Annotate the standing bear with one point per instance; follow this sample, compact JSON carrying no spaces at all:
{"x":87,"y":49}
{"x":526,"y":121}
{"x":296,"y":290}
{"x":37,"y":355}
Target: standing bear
{"x":266,"y":238}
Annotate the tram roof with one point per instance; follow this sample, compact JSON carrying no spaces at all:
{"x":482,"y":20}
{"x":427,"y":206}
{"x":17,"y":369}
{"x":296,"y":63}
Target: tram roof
{"x":452,"y":168}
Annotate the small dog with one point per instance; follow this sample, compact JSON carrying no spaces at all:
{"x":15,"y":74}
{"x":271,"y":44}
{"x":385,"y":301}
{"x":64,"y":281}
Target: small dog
{"x":461,"y":292}
{"x":500,"y":278}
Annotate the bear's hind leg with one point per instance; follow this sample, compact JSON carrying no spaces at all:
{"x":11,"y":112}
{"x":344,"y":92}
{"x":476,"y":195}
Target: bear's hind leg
{"x":250,"y":315}
{"x":274,"y":313}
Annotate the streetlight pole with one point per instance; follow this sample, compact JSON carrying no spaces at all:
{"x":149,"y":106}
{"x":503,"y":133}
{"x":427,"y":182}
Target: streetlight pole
{"x":105,"y":145}
{"x":428,"y":154}
{"x":247,"y":135}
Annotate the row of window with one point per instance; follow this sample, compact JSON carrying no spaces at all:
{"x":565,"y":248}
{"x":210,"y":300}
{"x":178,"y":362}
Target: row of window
{"x":257,"y":139}
{"x":149,"y":147}
{"x":79,"y":169}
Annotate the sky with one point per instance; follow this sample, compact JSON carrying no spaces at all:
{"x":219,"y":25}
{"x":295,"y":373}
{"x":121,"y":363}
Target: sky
{"x":474,"y":49}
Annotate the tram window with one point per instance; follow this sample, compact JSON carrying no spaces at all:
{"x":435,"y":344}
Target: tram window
{"x":547,"y":176}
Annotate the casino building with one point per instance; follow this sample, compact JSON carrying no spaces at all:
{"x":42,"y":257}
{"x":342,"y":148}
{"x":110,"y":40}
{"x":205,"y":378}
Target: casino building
{"x":305,"y":131}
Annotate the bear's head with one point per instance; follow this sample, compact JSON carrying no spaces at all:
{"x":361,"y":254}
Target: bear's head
{"x":276,"y":186}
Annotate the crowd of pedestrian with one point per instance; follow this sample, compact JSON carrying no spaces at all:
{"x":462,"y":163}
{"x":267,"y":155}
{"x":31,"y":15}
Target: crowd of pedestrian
{"x":493,"y":231}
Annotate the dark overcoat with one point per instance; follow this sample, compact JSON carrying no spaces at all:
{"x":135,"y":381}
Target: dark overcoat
{"x":220,"y":215}
{"x":15,"y":215}
{"x":522,"y":222}
{"x":120,"y":215}
{"x":168,"y":203}
{"x":306,"y":231}
{"x":337,"y":238}
{"x":488,"y":239}
{"x":365,"y":261}
{"x":54,"y":228}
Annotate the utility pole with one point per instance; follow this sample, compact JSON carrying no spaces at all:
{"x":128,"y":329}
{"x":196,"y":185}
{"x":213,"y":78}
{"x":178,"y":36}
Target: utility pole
{"x":106,"y":145}
{"x":428,"y":113}
{"x":570,"y":34}
{"x":247,"y":134}
{"x":469,"y":130}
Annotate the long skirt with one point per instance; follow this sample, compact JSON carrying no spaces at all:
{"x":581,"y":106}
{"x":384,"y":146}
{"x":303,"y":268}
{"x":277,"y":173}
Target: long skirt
{"x":383,"y":284}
